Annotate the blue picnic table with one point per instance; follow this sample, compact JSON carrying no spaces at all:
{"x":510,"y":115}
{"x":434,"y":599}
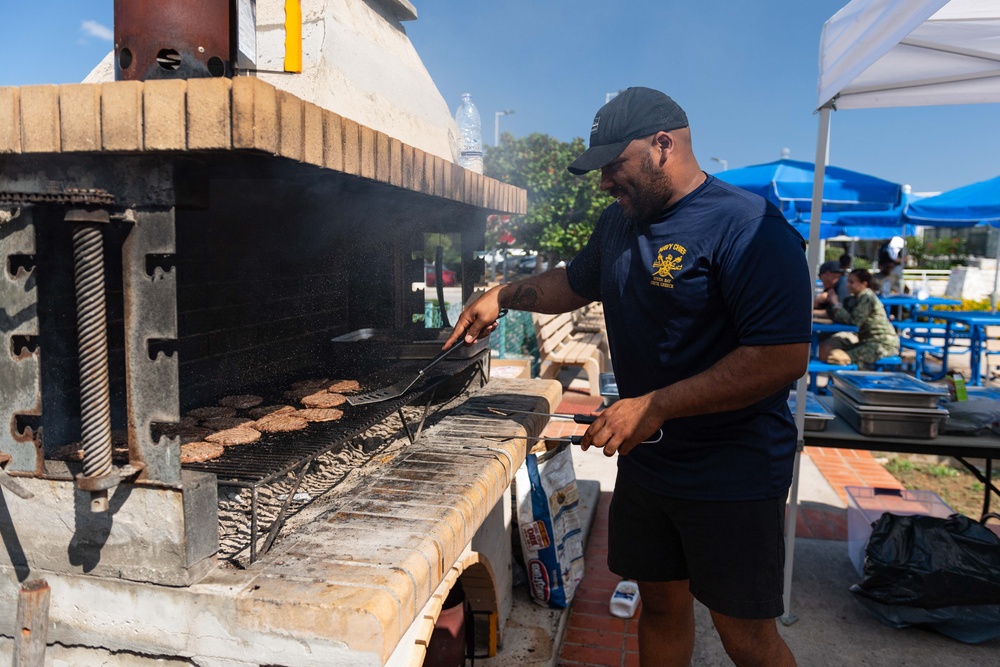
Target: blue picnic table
{"x":915,"y":304}
{"x":976,"y":321}
{"x":826,"y":327}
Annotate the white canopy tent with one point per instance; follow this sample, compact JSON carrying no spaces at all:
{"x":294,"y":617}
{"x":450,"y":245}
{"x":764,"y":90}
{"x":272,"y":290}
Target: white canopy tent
{"x":893,"y":53}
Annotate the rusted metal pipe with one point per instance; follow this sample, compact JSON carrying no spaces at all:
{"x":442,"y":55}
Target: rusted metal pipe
{"x":31,"y":628}
{"x":181,"y":39}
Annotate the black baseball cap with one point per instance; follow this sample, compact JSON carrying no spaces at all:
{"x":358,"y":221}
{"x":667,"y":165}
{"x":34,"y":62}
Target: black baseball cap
{"x":832,"y":266}
{"x":636,"y":112}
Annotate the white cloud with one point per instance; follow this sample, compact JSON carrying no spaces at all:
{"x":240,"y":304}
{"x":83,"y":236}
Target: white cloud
{"x":95,"y":29}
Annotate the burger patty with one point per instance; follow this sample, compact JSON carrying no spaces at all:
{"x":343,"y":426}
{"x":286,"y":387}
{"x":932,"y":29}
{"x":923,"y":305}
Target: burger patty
{"x":241,"y":401}
{"x":211,"y":411}
{"x":235,"y":436}
{"x":280,"y":423}
{"x":266,"y":410}
{"x":344,"y":387}
{"x":222,"y":423}
{"x":320,"y":414}
{"x":198,"y":452}
{"x":323,"y":399}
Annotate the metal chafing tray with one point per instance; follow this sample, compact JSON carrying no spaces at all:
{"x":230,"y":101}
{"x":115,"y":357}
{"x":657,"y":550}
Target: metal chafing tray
{"x":888,"y":389}
{"x":894,"y":422}
{"x":817,"y":414}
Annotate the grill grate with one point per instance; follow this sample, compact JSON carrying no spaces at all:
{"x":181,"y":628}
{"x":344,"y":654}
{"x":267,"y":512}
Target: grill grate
{"x":276,"y":454}
{"x":277,"y":457}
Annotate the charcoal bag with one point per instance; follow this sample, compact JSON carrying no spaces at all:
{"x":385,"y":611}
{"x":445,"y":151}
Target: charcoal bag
{"x":548,"y":517}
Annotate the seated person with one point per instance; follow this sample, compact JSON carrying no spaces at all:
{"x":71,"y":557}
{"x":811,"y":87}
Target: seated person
{"x":876,"y":338}
{"x":833,"y":279}
{"x":845,"y":262}
{"x":889,"y":279}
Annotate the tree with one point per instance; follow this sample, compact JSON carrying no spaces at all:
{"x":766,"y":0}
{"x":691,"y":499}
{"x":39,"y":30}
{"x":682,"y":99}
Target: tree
{"x":562,"y":208}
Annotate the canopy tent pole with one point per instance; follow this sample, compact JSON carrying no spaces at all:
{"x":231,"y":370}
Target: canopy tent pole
{"x":996,"y":276}
{"x":802,"y":387}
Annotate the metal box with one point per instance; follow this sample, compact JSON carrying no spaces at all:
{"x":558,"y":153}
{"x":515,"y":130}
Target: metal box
{"x":817,"y":414}
{"x":888,"y":389}
{"x":894,"y":422}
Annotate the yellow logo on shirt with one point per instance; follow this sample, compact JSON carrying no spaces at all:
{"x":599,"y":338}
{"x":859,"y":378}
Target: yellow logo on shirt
{"x":665,"y":265}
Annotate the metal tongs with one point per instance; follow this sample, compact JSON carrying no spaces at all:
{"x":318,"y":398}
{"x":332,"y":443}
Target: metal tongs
{"x":572,"y":439}
{"x":404,"y":385}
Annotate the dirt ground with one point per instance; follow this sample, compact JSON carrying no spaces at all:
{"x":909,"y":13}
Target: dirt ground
{"x":957,"y":487}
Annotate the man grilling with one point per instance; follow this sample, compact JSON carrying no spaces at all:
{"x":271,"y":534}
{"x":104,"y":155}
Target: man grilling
{"x":707,"y":302}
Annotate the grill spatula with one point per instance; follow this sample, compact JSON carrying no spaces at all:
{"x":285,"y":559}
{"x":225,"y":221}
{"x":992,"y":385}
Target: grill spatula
{"x":398,"y":389}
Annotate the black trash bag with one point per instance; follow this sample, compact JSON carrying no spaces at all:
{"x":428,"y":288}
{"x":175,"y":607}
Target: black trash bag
{"x":940,"y":573}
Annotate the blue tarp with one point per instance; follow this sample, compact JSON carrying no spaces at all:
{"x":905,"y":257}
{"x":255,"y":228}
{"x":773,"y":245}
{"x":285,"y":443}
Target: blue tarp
{"x":788,"y":184}
{"x":966,"y":206}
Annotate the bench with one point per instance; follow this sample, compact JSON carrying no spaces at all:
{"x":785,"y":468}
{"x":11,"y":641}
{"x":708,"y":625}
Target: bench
{"x":589,"y":319}
{"x":561,"y":345}
{"x":920,"y":349}
{"x":893,"y":363}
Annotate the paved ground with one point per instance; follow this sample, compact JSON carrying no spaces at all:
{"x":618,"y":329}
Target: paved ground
{"x":831,"y":628}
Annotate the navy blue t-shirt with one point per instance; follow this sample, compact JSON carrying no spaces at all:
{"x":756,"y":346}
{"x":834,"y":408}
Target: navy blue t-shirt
{"x":720,"y":269}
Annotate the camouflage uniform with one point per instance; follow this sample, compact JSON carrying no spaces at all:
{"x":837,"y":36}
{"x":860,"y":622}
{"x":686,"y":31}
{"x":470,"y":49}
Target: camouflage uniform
{"x":876,"y":335}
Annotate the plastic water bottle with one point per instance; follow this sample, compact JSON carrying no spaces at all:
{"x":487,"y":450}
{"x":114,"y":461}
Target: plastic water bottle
{"x":625,"y":599}
{"x":470,"y":131}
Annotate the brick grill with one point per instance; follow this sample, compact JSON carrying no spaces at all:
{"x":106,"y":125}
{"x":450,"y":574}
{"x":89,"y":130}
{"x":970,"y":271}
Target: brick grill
{"x":247,"y":229}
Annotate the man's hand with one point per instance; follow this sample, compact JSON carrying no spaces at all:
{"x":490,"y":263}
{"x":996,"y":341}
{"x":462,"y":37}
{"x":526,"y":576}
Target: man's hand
{"x":741,"y":378}
{"x":623,"y":425}
{"x":547,"y":292}
{"x":478,"y":320}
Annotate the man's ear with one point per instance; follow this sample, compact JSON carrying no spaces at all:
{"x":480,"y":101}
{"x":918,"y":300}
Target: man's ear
{"x":663,"y":140}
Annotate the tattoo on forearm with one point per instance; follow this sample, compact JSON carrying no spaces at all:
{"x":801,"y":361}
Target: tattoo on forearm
{"x":524,"y":297}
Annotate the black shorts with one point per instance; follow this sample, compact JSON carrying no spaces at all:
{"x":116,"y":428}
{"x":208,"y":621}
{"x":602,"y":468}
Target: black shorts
{"x":733,"y":552}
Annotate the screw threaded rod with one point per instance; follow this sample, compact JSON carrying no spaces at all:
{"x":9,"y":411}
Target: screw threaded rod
{"x":95,"y":405}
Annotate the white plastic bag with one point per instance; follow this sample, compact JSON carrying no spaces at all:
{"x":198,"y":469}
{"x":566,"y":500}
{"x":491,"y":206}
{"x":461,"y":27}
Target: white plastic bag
{"x":548,"y":516}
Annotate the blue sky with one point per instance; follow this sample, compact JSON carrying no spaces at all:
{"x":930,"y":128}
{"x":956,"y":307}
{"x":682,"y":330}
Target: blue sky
{"x":744,"y":70}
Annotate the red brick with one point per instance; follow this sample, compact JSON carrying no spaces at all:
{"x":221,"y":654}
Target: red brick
{"x":802,"y":528}
{"x":824,"y":531}
{"x":631,"y":660}
{"x":839,"y":521}
{"x":600,"y":575}
{"x":581,"y":637}
{"x":600,"y":595}
{"x":587,"y":607}
{"x":632,"y":641}
{"x":603,"y":623}
{"x":592,"y":656}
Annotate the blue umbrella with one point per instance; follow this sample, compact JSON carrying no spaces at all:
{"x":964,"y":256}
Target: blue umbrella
{"x":788,"y":184}
{"x":865,"y":225}
{"x":827,"y":230}
{"x":966,"y":206}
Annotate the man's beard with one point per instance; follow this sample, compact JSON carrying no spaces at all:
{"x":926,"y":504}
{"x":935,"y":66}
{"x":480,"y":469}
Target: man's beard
{"x":649,"y":193}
